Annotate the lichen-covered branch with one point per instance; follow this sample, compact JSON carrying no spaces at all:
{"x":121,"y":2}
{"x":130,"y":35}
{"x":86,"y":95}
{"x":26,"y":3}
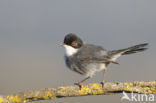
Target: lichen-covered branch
{"x":89,"y":89}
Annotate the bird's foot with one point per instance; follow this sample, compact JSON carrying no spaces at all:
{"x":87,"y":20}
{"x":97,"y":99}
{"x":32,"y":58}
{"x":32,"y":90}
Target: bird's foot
{"x":102,"y":83}
{"x":78,"y":84}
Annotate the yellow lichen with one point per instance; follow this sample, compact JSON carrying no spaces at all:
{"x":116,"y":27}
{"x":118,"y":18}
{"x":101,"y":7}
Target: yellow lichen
{"x":63,"y":88}
{"x":127,"y":87}
{"x":153,"y":81}
{"x":48,"y":95}
{"x":95,"y":89}
{"x":25,"y":94}
{"x":91,"y":89}
{"x":84,"y":90}
{"x":14,"y":99}
{"x":1,"y":100}
{"x":153,"y":90}
{"x":25,"y":101}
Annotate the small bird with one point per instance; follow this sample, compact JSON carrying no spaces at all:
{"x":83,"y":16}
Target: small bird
{"x":87,"y":59}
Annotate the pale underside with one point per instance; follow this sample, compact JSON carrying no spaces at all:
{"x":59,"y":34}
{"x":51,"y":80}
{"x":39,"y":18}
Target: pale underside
{"x":92,"y":67}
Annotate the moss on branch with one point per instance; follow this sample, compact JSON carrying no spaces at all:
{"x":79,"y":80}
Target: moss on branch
{"x":88,"y":89}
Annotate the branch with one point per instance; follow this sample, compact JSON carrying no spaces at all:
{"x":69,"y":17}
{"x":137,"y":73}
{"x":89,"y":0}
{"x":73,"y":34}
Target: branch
{"x":89,"y":89}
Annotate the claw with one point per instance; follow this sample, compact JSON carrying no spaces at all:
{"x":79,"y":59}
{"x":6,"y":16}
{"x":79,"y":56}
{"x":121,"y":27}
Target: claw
{"x":103,"y":84}
{"x":78,"y":84}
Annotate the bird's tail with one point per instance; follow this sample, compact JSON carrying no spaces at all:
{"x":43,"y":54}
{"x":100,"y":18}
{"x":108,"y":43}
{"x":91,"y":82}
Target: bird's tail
{"x":133,"y":49}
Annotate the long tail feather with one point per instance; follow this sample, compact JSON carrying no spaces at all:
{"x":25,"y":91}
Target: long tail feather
{"x":133,"y":49}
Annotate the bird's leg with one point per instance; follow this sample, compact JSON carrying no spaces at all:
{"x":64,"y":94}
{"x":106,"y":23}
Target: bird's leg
{"x":104,"y":72}
{"x":80,"y":83}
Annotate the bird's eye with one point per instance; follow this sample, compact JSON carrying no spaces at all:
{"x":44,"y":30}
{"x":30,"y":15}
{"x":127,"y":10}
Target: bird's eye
{"x":73,"y":44}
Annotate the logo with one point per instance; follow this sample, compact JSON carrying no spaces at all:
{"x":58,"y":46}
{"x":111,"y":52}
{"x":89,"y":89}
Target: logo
{"x":138,"y":97}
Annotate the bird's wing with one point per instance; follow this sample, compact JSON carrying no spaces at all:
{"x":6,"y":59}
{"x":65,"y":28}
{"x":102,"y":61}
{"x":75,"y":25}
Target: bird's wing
{"x":94,"y":54}
{"x":97,"y":60}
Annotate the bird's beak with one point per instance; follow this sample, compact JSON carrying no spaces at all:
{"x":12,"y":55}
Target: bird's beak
{"x":62,"y":45}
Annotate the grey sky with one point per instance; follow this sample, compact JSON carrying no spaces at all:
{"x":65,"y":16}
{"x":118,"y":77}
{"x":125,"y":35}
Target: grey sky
{"x":31,"y":31}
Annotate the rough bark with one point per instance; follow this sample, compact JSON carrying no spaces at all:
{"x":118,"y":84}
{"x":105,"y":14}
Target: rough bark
{"x":89,"y":89}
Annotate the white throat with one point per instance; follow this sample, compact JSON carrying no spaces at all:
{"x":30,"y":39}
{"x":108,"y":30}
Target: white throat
{"x":69,"y":51}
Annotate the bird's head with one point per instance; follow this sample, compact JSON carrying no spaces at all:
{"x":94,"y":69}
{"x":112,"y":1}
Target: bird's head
{"x":72,"y":44}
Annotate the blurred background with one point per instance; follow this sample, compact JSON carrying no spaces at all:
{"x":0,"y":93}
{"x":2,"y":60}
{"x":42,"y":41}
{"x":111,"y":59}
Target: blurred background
{"x":31,"y":31}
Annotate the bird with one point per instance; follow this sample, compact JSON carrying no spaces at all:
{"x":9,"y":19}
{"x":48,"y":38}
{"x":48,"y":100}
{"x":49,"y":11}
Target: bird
{"x":87,"y":59}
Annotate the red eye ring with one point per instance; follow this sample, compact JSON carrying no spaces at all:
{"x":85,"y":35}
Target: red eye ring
{"x":73,"y":43}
